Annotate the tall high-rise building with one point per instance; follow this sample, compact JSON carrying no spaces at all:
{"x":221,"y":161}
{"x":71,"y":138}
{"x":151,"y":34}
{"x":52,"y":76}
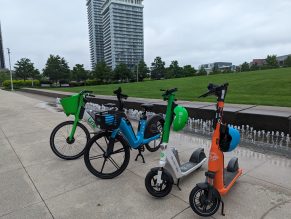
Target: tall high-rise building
{"x":94,"y":8}
{"x":122,"y":32}
{"x":2,"y":60}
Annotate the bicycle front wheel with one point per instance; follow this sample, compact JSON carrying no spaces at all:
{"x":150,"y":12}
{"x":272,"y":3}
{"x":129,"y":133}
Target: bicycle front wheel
{"x":65,"y":148}
{"x":102,"y":166}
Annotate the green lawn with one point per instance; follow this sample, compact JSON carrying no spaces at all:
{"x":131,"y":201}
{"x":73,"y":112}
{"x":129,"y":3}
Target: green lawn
{"x":266,"y":87}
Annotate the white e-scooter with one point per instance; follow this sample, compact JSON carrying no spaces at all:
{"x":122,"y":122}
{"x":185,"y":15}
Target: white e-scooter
{"x":159,"y":180}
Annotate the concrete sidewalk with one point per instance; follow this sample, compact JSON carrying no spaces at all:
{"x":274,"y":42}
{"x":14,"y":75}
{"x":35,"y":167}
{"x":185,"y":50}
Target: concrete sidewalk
{"x":34,"y":183}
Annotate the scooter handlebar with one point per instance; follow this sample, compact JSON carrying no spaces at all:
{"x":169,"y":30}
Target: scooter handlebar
{"x":213,"y":89}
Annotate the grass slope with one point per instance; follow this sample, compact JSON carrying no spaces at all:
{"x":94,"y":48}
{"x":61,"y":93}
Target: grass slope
{"x":267,"y":87}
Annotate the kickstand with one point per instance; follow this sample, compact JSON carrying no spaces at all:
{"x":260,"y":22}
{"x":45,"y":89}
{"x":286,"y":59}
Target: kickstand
{"x":141,"y":149}
{"x":222,"y":208}
{"x":178,"y":185}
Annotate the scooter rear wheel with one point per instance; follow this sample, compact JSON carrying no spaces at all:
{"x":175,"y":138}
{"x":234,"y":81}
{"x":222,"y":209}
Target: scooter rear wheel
{"x":200,"y":204}
{"x":161,"y":190}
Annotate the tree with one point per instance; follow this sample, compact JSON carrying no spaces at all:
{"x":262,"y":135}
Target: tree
{"x":4,"y":75}
{"x":174,"y":70}
{"x":189,"y":71}
{"x":24,"y":68}
{"x":254,"y":67}
{"x":79,"y":73}
{"x":202,"y":71}
{"x":143,"y":70}
{"x":56,"y":69}
{"x":102,"y":72}
{"x":245,"y":66}
{"x":122,"y":72}
{"x":158,"y":68}
{"x":271,"y":61}
{"x":287,"y":61}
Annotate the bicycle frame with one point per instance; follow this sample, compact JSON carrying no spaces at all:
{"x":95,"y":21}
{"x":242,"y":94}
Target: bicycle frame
{"x":82,"y":114}
{"x":127,"y":131}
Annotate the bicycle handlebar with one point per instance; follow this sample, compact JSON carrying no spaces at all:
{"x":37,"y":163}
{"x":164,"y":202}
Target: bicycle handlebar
{"x":119,"y":94}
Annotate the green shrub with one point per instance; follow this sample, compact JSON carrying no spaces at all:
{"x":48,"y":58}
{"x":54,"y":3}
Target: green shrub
{"x":20,"y":83}
{"x":76,"y":84}
{"x":93,"y":82}
{"x":45,"y":82}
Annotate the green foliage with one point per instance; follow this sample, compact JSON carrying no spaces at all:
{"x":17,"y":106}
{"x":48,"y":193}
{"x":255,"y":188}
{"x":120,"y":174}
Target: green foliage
{"x":20,"y":83}
{"x":143,"y":70}
{"x":245,"y":66}
{"x":77,"y":83}
{"x":287,"y":62}
{"x":44,"y":81}
{"x":4,"y":75}
{"x":158,"y":68}
{"x":174,"y":70}
{"x":93,"y":82}
{"x":189,"y":71}
{"x":24,"y":69}
{"x":56,"y":68}
{"x":79,"y":73}
{"x":102,"y":72}
{"x":271,"y":61}
{"x":122,"y":73}
{"x":202,"y":71}
{"x":254,"y":67}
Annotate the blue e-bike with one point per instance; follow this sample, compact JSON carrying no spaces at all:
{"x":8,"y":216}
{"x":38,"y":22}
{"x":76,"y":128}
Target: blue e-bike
{"x":107,"y":154}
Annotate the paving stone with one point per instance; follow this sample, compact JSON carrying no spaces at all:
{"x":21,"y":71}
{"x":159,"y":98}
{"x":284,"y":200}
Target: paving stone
{"x":16,"y":191}
{"x":38,"y":210}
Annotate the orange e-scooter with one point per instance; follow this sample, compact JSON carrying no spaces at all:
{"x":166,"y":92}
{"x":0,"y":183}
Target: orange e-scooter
{"x":205,"y":198}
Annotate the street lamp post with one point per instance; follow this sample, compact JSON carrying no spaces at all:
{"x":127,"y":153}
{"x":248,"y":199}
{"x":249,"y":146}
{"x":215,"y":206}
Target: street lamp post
{"x":11,"y":82}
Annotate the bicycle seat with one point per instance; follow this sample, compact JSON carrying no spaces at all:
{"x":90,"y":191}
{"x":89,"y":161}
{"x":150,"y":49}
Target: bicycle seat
{"x":147,"y":106}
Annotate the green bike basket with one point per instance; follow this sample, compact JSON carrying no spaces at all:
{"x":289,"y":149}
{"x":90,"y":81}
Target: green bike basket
{"x":70,"y":104}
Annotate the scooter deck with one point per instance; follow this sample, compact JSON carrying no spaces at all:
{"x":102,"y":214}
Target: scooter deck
{"x":187,"y":166}
{"x":228,"y":177}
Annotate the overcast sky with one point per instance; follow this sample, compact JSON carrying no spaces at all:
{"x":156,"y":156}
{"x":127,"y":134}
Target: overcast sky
{"x":190,"y":31}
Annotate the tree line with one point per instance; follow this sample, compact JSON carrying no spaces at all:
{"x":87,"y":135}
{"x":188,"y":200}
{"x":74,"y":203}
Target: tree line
{"x":57,"y":70}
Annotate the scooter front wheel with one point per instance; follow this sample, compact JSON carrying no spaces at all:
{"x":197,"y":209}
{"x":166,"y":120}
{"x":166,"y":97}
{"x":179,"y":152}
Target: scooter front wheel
{"x":155,"y":189}
{"x":200,"y":203}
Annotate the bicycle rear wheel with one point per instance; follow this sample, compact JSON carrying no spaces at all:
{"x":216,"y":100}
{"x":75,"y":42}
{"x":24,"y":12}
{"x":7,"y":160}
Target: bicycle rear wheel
{"x":102,"y":166}
{"x":63,"y":147}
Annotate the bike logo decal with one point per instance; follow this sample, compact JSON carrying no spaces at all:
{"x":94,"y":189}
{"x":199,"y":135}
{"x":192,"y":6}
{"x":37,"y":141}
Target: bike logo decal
{"x":213,"y":156}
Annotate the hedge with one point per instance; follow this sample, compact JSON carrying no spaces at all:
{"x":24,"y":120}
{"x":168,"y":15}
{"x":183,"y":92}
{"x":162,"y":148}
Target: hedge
{"x":20,"y":83}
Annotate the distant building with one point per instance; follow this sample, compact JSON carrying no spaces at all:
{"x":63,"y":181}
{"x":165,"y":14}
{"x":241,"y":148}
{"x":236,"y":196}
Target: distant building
{"x":116,"y":31}
{"x":258,"y":62}
{"x":2,"y":59}
{"x":220,"y":66}
{"x":281,"y":59}
{"x":94,"y":8}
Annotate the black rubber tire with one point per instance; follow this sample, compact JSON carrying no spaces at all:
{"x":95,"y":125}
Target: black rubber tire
{"x":58,"y":152}
{"x":197,"y":209}
{"x":151,"y":122}
{"x":167,"y":178}
{"x":120,"y":168}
